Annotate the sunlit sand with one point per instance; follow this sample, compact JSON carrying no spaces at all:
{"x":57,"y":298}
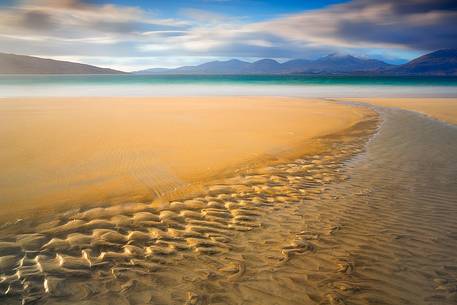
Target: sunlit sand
{"x":101,"y":150}
{"x":218,"y":152}
{"x":297,"y":202}
{"x":256,"y":159}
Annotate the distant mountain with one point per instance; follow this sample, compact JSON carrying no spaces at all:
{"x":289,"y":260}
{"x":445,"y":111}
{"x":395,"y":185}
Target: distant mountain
{"x":263,"y":66}
{"x":329,"y":64}
{"x":20,"y":64}
{"x":441,"y":62}
{"x":438,"y":63}
{"x":296,"y":65}
{"x":233,"y":66}
{"x":334,"y":63}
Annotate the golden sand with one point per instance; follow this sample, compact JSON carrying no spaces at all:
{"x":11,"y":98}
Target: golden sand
{"x":444,"y":109}
{"x":242,"y":239}
{"x":337,"y":227}
{"x":94,"y":150}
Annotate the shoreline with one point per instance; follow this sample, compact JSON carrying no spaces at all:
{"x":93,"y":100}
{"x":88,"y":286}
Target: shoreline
{"x":221,"y":90}
{"x":442,"y":109}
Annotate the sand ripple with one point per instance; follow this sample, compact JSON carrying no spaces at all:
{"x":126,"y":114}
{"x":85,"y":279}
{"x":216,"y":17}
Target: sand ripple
{"x":133,"y":250}
{"x":319,"y":230}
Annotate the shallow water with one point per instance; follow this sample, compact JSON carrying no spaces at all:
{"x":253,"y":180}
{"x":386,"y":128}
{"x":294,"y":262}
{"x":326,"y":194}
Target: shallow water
{"x":225,"y":85}
{"x":402,"y":223}
{"x":355,"y":225}
{"x":228,"y":79}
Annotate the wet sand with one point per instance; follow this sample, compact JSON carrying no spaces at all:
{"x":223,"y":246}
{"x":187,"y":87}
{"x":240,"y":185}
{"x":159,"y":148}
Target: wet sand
{"x":219,"y":246}
{"x":444,"y":109}
{"x":364,"y":220}
{"x":74,"y":151}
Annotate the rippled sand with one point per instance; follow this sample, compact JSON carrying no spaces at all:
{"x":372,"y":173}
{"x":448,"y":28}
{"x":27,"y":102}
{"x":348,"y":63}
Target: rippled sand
{"x":368,"y":219}
{"x":73,"y":151}
{"x":223,"y":246}
{"x":444,"y":109}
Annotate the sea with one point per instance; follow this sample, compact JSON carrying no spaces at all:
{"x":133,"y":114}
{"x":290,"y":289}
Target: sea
{"x":231,"y":85}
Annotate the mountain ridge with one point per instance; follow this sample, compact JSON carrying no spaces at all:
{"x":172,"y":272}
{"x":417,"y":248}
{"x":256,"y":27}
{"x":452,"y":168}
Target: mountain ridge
{"x":438,"y":63}
{"x":329,"y":64}
{"x":23,"y":64}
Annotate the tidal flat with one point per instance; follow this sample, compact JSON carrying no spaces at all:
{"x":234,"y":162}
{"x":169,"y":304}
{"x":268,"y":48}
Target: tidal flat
{"x":337,"y":204}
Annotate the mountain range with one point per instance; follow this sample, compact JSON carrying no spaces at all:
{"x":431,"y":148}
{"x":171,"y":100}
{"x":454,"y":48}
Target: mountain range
{"x":21,"y":64}
{"x":438,"y":63}
{"x":332,"y":63}
{"x":441,"y":62}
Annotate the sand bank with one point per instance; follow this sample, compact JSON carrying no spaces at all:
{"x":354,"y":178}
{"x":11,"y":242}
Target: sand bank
{"x":93,"y":150}
{"x":444,"y":109}
{"x":244,"y":238}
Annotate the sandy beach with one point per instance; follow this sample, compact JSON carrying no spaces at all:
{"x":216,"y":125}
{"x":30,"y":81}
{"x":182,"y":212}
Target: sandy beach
{"x":293,"y":147}
{"x":444,"y":109}
{"x":299,"y":202}
{"x":64,"y":151}
{"x":218,"y":152}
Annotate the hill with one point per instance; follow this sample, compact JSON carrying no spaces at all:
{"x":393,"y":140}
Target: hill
{"x":329,"y":64}
{"x":441,"y":62}
{"x":20,"y":64}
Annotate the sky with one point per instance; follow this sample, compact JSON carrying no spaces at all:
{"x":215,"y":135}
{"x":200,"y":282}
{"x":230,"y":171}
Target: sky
{"x":135,"y":35}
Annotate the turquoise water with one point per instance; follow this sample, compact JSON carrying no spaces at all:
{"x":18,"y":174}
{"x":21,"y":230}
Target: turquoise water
{"x":197,"y":85}
{"x":226,"y":79}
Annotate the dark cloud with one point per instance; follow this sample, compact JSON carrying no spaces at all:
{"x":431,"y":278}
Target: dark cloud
{"x":421,"y":6}
{"x":422,"y":37}
{"x":416,"y":24}
{"x":36,"y":20}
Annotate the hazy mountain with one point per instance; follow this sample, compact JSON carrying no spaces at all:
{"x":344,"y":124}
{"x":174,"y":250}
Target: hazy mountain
{"x":233,"y":66}
{"x":346,"y":63}
{"x":20,"y":64}
{"x":329,"y":64}
{"x":442,"y":62}
{"x":296,"y":65}
{"x":263,"y":66}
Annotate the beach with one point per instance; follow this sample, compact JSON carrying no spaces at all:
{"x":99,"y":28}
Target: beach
{"x":218,"y":152}
{"x":75,"y":151}
{"x":444,"y":109}
{"x":273,"y":200}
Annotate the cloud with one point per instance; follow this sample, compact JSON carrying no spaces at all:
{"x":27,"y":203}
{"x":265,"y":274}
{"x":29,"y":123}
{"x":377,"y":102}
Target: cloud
{"x":73,"y":18}
{"x":37,"y":20}
{"x":81,"y":29}
{"x":415,"y":24}
{"x":392,"y":25}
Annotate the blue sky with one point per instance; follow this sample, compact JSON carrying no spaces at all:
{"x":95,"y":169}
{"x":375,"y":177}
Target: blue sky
{"x":133,"y":35}
{"x":253,"y":10}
